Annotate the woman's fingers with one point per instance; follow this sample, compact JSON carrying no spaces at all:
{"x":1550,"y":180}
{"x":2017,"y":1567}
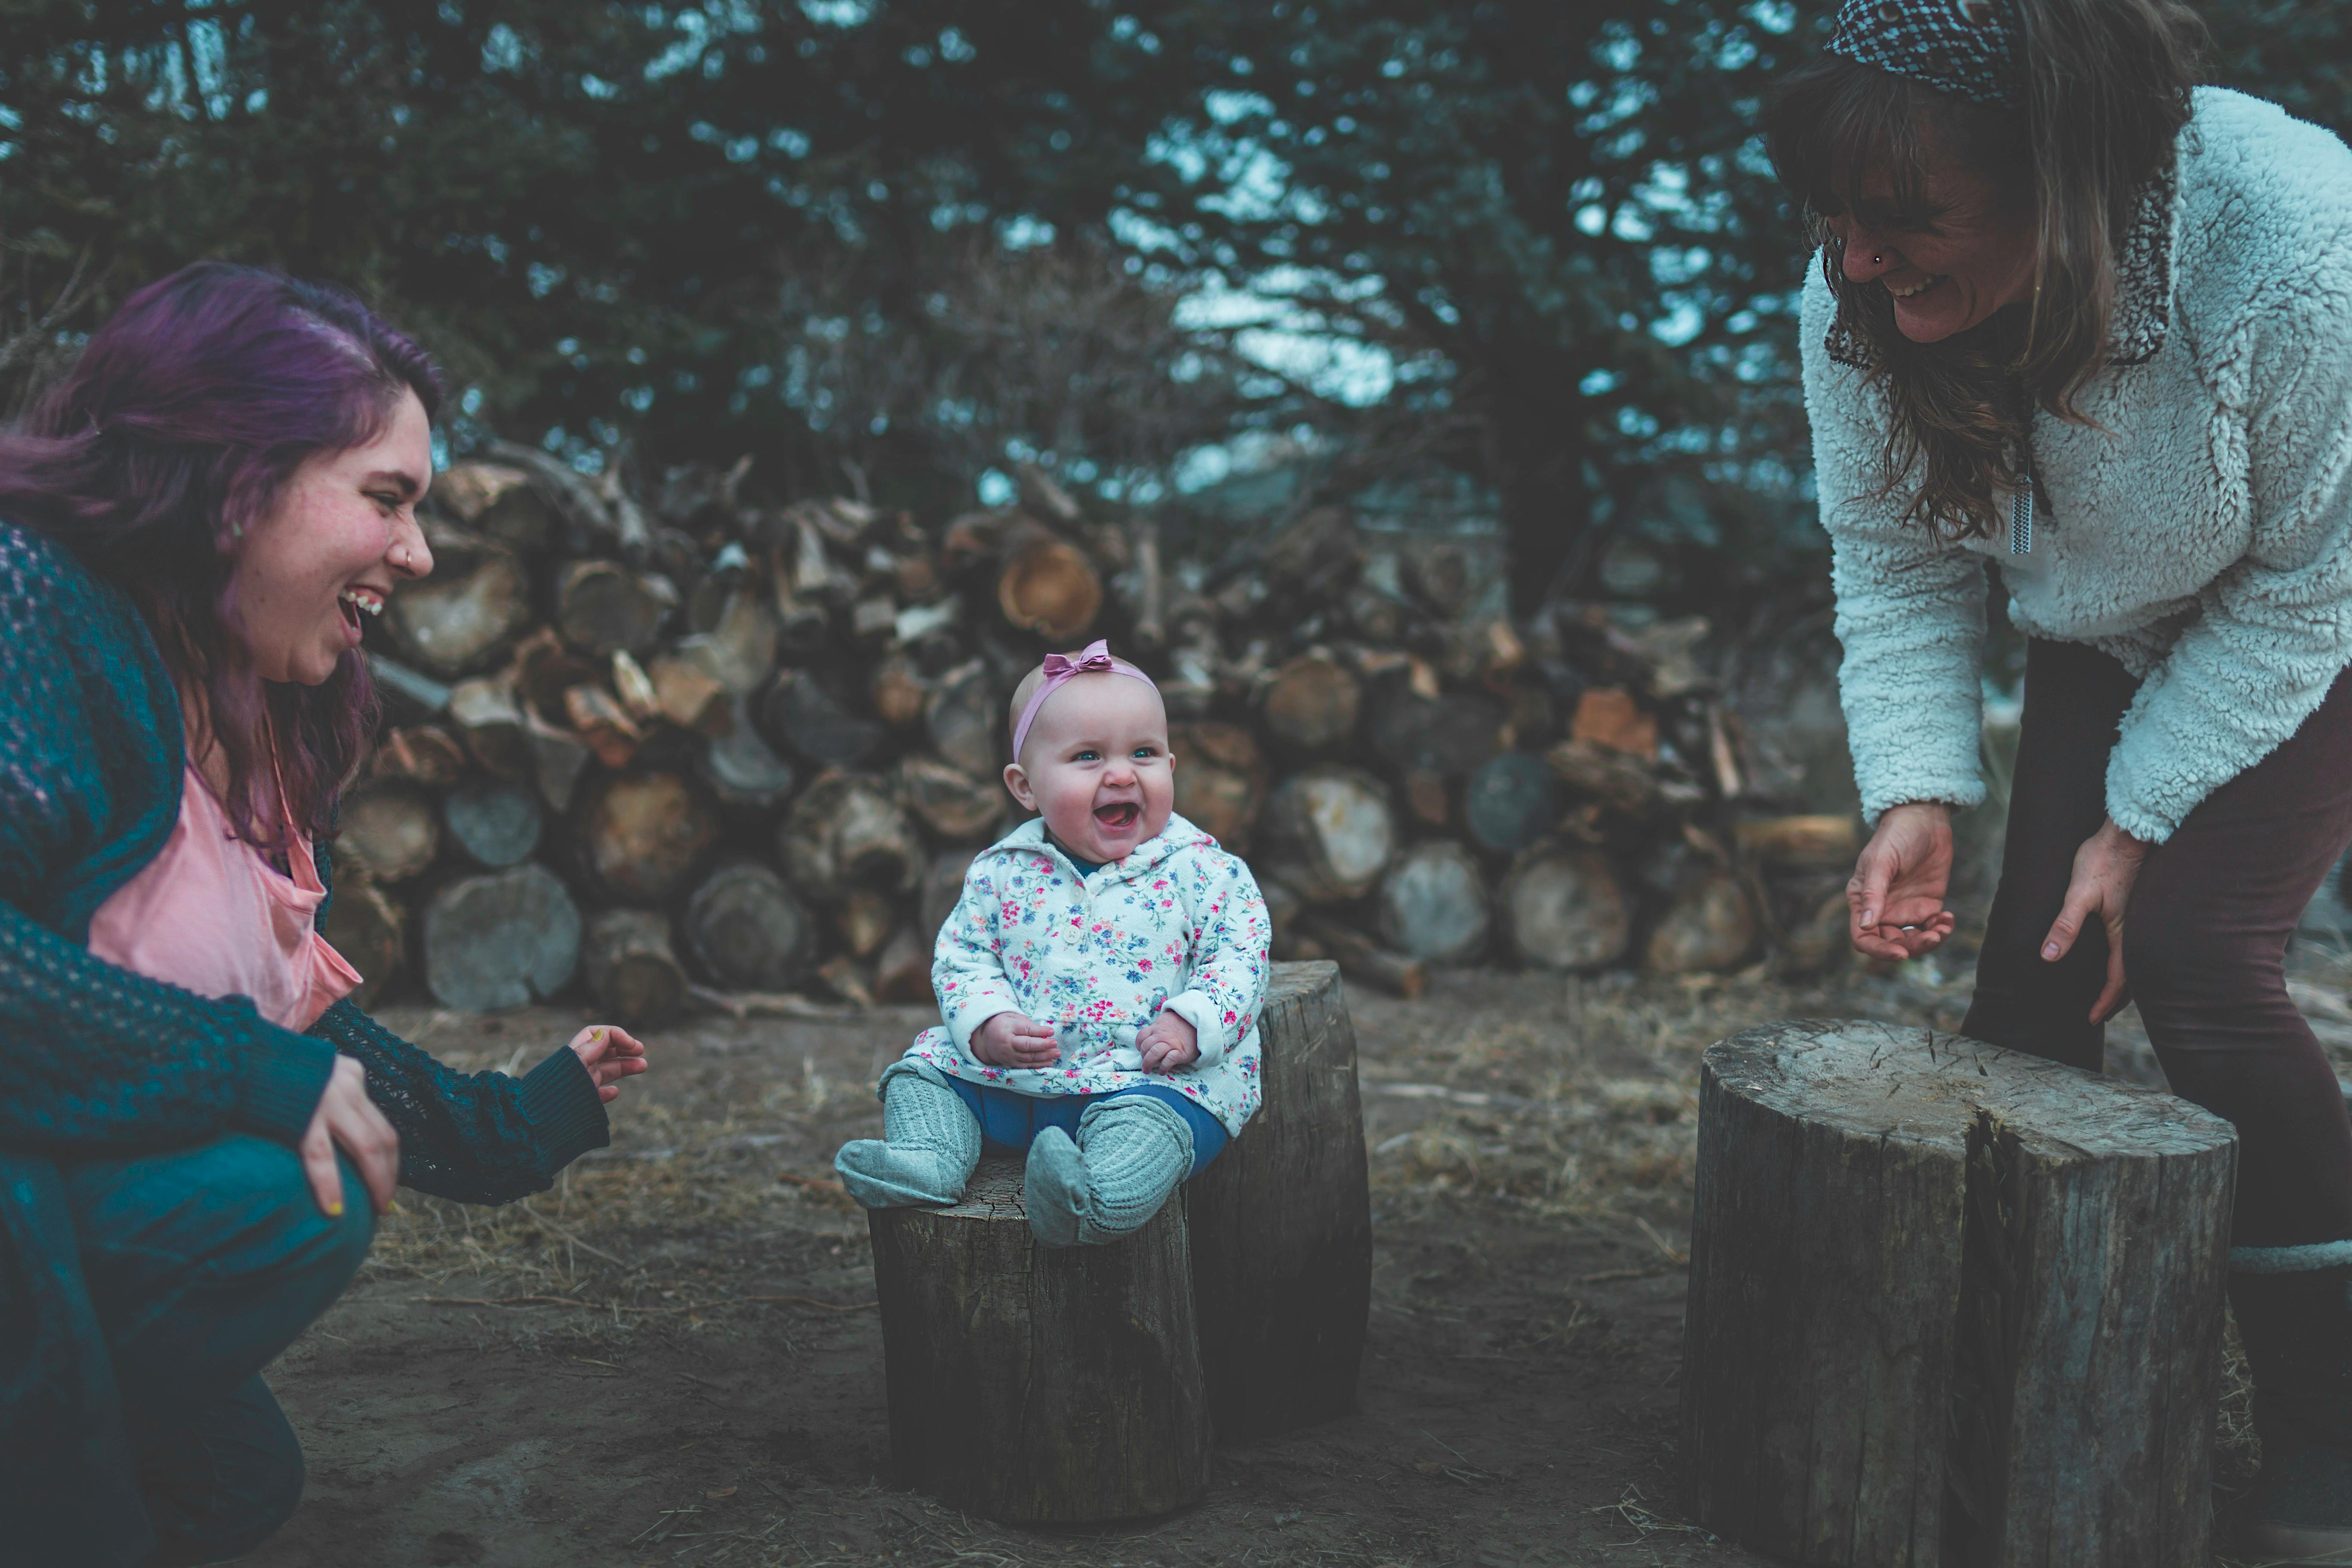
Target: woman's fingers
{"x":318,"y":1151}
{"x":375,"y":1148}
{"x":2112,"y":994}
{"x":1866,"y":894}
{"x":2082,"y":900}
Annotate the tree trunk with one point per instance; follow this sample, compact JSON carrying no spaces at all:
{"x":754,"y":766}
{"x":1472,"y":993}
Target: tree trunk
{"x":496,"y":825}
{"x":646,"y":834}
{"x":1434,"y":905}
{"x":1312,"y":704}
{"x":389,"y":831}
{"x":505,"y":940}
{"x":1951,"y":1305}
{"x":603,"y":607}
{"x":1330,"y":833}
{"x":557,"y":757}
{"x":462,"y":618}
{"x":903,"y":972}
{"x":1034,"y":1384}
{"x":689,"y":696}
{"x":802,"y":716}
{"x":1801,"y":843}
{"x":1511,"y":802}
{"x":955,"y":805}
{"x":1281,"y":1225}
{"x":418,"y":754}
{"x":1048,"y":586}
{"x":1220,"y":781}
{"x":485,"y":714}
{"x":497,"y":503}
{"x":967,"y":721}
{"x":1566,"y":909}
{"x":864,"y":922}
{"x":370,"y":930}
{"x":942,"y":886}
{"x":630,"y":969}
{"x":740,"y":768}
{"x":1365,"y":961}
{"x":745,"y":930}
{"x":846,"y":833}
{"x":1711,"y":924}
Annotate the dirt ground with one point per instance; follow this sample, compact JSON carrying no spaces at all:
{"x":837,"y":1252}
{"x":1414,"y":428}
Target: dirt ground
{"x":672,"y":1358}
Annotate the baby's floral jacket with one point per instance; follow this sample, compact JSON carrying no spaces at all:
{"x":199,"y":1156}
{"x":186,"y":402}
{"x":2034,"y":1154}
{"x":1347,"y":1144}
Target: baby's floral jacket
{"x":1179,"y":924}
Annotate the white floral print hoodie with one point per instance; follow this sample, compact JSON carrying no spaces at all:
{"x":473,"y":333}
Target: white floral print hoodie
{"x":1178,"y":922}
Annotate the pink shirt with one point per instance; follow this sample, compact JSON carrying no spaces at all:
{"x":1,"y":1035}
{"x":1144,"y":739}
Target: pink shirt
{"x":210,"y":915}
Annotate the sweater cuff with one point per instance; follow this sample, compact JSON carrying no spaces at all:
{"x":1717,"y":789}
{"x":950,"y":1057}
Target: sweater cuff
{"x":1207,"y":1017}
{"x":559,"y":1099}
{"x":285,"y":1077}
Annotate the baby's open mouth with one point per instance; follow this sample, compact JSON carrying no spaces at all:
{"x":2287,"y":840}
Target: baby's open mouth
{"x":1119,"y":817}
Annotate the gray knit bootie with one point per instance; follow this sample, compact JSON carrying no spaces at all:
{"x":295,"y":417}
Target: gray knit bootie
{"x":929,"y":1146}
{"x":1129,"y":1154}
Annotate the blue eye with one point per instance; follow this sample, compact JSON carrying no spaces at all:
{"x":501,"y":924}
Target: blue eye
{"x":1087,"y":755}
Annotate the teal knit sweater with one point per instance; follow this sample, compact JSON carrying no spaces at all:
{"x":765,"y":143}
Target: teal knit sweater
{"x":97,"y":1061}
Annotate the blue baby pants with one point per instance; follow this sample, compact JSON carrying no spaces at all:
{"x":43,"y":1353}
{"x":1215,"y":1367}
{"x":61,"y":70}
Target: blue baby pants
{"x":1008,"y":1120}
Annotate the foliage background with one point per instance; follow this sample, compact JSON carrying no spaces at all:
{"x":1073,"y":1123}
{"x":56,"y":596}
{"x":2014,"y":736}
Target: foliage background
{"x":1529,"y":253}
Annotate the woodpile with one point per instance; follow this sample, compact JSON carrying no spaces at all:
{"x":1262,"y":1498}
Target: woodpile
{"x":770,"y":735}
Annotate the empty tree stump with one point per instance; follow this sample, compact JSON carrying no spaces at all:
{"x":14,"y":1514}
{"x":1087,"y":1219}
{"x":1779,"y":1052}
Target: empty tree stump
{"x":1036,"y":1384}
{"x":1282,"y":1224}
{"x":1951,"y":1305}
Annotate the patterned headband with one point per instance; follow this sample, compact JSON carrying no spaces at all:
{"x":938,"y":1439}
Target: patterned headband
{"x":1970,"y":48}
{"x":1095,"y":657}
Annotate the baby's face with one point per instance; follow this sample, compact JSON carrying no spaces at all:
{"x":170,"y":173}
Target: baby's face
{"x":1096,"y":765}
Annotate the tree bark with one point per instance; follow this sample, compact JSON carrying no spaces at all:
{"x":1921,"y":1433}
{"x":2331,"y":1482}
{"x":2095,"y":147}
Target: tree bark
{"x":1367,"y":962}
{"x":630,"y":969}
{"x":1281,"y":1225}
{"x":557,"y":757}
{"x":485,"y":713}
{"x":803,"y":716}
{"x":1951,"y":1305}
{"x":942,"y":886}
{"x":418,"y":754}
{"x":967,"y":721}
{"x":497,"y":503}
{"x":1034,"y":1384}
{"x":746,"y":929}
{"x":504,"y":940}
{"x":740,"y":768}
{"x":903,"y":971}
{"x":1566,"y":909}
{"x":1221,"y":779}
{"x":646,"y":834}
{"x":1434,"y":903}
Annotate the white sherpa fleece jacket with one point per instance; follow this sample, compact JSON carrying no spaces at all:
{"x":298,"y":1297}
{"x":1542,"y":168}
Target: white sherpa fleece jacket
{"x":2200,"y":530}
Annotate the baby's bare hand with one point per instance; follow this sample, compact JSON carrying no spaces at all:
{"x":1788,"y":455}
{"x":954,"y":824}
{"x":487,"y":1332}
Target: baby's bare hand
{"x":1011,"y":1040}
{"x":1169,"y":1044}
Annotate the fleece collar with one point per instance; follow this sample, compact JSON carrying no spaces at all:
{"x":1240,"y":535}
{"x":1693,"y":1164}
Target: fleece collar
{"x":2143,"y":312}
{"x":1179,"y":834}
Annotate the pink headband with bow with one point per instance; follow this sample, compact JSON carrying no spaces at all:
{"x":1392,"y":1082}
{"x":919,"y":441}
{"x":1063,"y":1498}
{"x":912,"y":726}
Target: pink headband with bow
{"x":1093,"y":658}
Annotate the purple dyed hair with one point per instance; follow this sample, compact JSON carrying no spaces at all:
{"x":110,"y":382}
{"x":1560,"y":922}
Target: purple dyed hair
{"x":180,"y":423}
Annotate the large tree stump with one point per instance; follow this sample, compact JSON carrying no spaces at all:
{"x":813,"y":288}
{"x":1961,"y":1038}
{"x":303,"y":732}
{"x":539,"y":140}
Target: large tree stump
{"x":1035,"y":1384}
{"x":1282,"y":1224}
{"x":1951,"y":1305}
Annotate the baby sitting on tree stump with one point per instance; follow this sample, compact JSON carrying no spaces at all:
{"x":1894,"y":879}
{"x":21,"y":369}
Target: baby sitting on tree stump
{"x":1099,"y":982}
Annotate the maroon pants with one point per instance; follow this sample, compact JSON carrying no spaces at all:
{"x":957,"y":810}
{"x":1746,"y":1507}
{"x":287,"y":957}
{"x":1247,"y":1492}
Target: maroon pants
{"x":2204,"y":938}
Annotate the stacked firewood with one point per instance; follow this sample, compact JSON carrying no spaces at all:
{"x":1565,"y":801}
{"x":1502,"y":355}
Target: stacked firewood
{"x":691,"y":750}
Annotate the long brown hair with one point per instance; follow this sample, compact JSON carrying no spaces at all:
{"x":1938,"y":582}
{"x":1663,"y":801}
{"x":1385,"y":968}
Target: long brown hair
{"x":2104,"y":96}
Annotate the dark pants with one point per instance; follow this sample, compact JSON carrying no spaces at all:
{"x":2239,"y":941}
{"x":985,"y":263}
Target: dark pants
{"x":203,"y":1264}
{"x":2204,"y":937}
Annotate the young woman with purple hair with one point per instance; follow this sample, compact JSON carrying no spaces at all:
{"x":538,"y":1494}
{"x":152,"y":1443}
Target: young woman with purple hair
{"x":193,"y":522}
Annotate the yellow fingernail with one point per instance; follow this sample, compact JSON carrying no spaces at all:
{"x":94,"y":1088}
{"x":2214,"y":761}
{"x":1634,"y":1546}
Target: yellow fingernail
{"x":335,"y":1211}
{"x":393,"y":1208}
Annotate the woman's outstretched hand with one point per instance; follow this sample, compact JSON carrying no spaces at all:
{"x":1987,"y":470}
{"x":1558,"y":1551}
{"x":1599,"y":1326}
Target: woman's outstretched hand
{"x":1896,"y":901}
{"x":610,"y":1054}
{"x":347,"y":1119}
{"x":2105,"y":866}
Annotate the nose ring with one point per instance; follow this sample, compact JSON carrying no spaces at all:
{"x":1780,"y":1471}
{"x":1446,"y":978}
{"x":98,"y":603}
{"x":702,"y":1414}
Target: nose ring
{"x":1878,"y":262}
